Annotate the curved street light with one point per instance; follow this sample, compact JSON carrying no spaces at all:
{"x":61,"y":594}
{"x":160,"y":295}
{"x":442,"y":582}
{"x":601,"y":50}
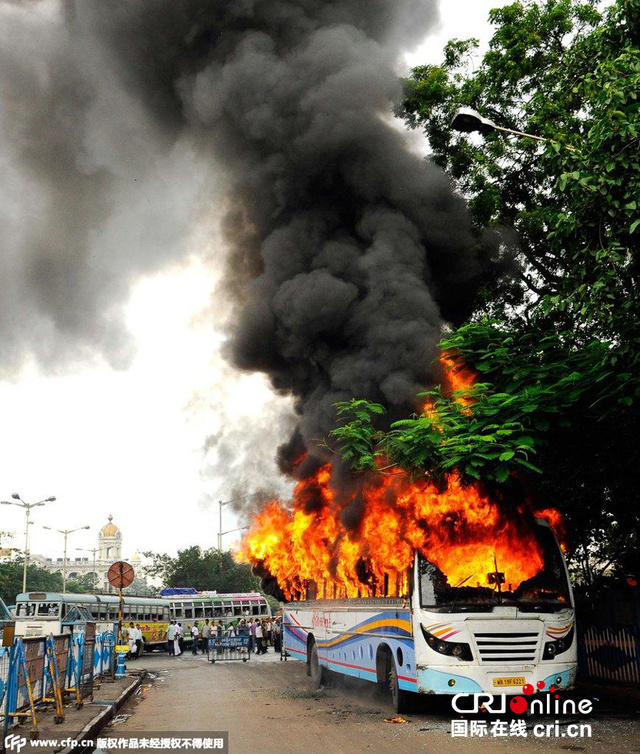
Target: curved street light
{"x":26,"y":507}
{"x":66,"y":533}
{"x":468,"y":120}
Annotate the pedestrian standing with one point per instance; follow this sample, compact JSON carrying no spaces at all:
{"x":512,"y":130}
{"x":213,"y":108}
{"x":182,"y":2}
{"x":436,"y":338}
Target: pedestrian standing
{"x":206,"y":633}
{"x":259,"y":639}
{"x":171,"y":635}
{"x":268,"y":633}
{"x":195,"y":636}
{"x":252,"y":632}
{"x":177,"y":649}
{"x":277,"y":636}
{"x":139,"y":641}
{"x":131,"y":641}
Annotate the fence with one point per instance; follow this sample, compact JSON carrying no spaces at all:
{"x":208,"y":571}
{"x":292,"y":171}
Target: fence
{"x":222,"y":648}
{"x":38,"y":671}
{"x":609,"y":653}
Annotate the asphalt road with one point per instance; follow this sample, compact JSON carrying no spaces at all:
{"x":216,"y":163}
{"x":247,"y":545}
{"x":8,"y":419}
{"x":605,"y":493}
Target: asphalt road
{"x":266,"y":706}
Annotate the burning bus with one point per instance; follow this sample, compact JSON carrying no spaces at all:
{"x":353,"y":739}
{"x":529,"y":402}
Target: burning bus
{"x":432,"y":591}
{"x":470,"y":636}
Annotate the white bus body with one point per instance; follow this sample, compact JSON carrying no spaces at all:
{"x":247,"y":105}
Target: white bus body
{"x":444,"y":640}
{"x":44,"y":613}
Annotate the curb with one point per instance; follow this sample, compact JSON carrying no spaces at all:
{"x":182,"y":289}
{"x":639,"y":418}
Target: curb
{"x":94,"y":726}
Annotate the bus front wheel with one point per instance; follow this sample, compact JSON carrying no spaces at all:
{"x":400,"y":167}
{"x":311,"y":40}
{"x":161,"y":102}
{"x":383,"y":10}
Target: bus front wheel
{"x":399,"y":697}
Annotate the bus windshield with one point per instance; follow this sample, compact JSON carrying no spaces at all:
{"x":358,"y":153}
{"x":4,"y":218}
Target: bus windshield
{"x":548,"y":590}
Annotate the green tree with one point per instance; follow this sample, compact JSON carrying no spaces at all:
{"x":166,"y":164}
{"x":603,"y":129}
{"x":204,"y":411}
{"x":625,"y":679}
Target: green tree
{"x":38,"y":580}
{"x":556,"y":343}
{"x":82,"y":585}
{"x":203,"y":570}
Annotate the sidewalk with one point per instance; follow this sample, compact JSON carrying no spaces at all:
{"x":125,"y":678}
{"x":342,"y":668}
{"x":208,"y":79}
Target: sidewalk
{"x":79,"y":724}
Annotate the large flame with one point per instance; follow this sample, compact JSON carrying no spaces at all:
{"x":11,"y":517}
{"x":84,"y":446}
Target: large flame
{"x":360,"y":542}
{"x":460,"y":530}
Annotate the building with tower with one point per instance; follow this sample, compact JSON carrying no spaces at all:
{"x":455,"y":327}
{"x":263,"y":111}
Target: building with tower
{"x":110,"y":542}
{"x":97,"y":562}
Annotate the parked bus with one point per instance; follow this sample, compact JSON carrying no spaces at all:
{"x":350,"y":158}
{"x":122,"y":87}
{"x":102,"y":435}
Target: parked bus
{"x":6,"y":619}
{"x":43,"y":613}
{"x":444,"y":639}
{"x":226,"y":608}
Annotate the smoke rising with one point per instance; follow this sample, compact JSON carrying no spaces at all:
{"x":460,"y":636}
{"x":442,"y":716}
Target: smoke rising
{"x":346,"y":253}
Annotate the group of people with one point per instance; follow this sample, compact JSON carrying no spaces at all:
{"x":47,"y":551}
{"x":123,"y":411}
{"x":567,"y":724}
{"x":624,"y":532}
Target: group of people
{"x":135,"y":640}
{"x":175,"y":637}
{"x":262,"y":632}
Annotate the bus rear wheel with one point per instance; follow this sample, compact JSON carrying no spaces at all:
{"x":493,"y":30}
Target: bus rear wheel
{"x":400,"y":699}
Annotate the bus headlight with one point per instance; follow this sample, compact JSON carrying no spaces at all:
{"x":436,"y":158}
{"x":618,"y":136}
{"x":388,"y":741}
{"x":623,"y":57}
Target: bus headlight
{"x":554,"y":648}
{"x":448,"y":648}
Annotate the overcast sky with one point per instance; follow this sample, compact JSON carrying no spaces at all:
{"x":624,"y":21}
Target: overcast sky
{"x":132,"y":442}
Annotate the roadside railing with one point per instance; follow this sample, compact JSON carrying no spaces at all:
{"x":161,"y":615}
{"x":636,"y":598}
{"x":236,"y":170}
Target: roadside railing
{"x":609,"y":654}
{"x":36,"y":672}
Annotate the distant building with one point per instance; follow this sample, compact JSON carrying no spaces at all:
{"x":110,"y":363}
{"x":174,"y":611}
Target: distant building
{"x":109,"y":550}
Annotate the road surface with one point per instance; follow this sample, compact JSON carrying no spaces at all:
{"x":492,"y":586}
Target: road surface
{"x":266,"y":706}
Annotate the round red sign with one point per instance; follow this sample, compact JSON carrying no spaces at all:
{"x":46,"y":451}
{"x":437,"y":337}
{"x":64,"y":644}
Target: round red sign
{"x":120,"y":574}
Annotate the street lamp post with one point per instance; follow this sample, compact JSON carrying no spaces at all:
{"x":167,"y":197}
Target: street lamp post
{"x":92,"y":550}
{"x":66,"y":533}
{"x":468,"y":120}
{"x":240,"y":528}
{"x":227,"y":502}
{"x":26,"y":507}
{"x":220,"y":504}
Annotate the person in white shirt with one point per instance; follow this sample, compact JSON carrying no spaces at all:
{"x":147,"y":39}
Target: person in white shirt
{"x":260,"y":639}
{"x":131,"y":641}
{"x":171,"y":635}
{"x":176,"y":641}
{"x":195,"y":635}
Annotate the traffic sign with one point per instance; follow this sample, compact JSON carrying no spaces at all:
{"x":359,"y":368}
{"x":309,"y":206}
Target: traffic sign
{"x":120,"y":574}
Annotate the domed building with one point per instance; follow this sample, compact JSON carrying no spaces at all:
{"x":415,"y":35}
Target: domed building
{"x":108,"y":550}
{"x":110,"y":542}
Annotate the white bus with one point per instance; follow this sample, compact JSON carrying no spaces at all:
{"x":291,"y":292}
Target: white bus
{"x":445,"y":639}
{"x":43,"y":613}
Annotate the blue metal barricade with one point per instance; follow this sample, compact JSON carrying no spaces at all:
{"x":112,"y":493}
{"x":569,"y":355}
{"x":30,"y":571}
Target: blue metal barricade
{"x":224,"y":648}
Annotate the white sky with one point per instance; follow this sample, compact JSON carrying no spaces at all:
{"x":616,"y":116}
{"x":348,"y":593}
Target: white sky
{"x":130,"y":443}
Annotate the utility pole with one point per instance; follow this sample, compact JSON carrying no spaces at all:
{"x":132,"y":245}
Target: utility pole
{"x":66,"y":533}
{"x":227,"y":502}
{"x":92,"y":550}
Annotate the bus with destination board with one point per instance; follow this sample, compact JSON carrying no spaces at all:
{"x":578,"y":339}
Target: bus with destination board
{"x":44,"y":613}
{"x":479,"y":634}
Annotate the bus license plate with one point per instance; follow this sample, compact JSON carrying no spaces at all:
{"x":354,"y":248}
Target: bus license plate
{"x":518,"y":680}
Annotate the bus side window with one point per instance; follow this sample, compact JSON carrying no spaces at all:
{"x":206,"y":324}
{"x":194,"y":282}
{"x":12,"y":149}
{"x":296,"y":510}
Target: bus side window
{"x":198,"y":611}
{"x":178,"y":612}
{"x":188,"y":611}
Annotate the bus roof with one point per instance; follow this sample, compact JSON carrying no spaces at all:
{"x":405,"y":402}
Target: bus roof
{"x":91,"y":599}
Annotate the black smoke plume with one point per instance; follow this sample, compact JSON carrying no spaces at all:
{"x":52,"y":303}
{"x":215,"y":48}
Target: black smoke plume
{"x":346,"y":252}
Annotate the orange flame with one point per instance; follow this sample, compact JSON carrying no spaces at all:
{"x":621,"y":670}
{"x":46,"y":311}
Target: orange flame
{"x":361,"y":542}
{"x":460,"y":530}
